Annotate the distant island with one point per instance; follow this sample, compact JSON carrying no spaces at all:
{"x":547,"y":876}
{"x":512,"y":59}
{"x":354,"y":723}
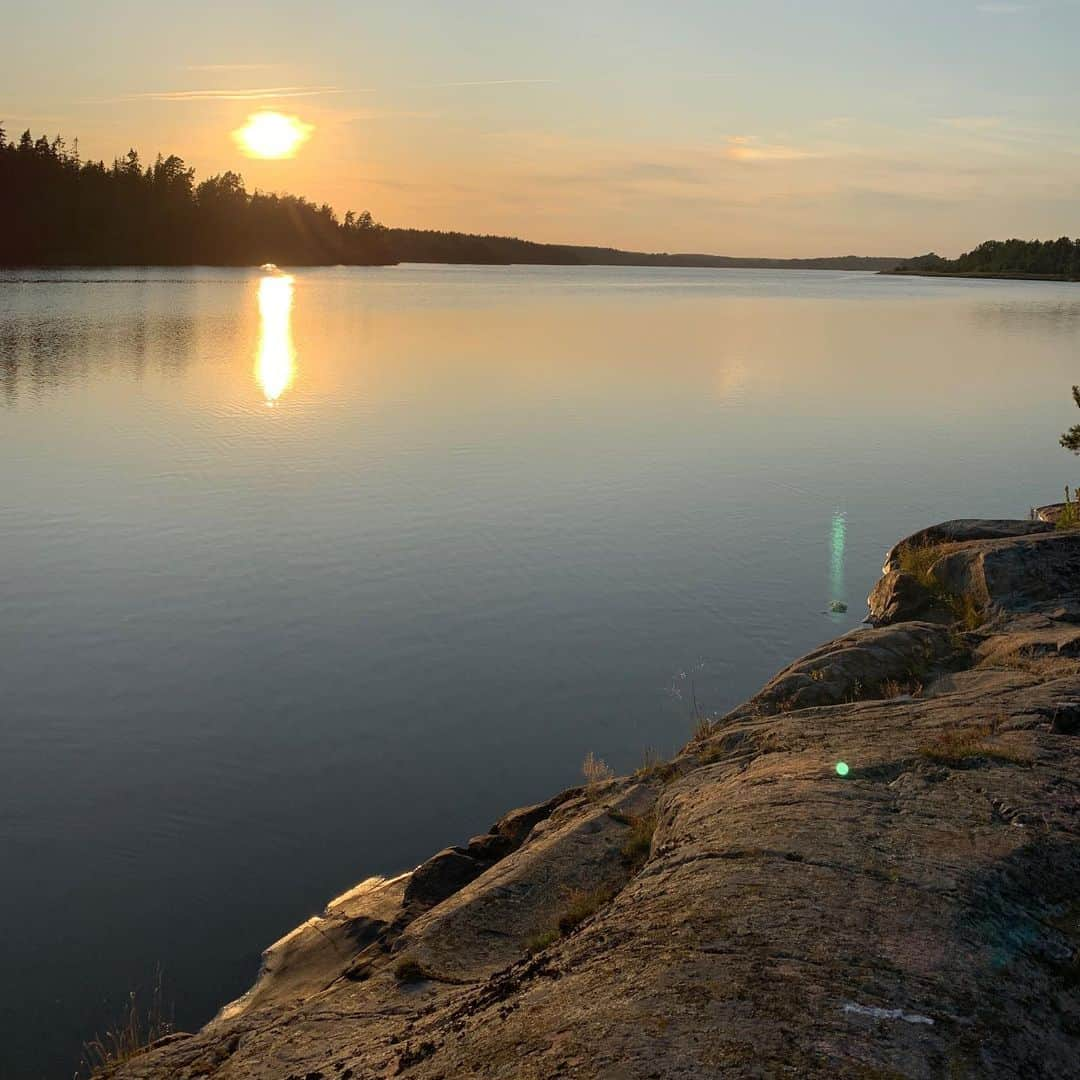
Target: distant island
{"x":1037,"y":260}
{"x":70,"y":212}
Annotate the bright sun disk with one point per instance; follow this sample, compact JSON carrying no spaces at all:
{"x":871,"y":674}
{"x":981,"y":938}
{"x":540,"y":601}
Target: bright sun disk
{"x":272,"y":135}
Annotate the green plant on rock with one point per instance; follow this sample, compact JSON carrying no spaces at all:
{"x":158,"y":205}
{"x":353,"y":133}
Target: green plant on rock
{"x":1071,"y":438}
{"x":1069,"y":517}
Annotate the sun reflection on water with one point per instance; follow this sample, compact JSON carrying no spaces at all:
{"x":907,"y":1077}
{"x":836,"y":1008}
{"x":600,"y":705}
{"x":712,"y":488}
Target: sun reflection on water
{"x":837,"y":543}
{"x":275,"y":363}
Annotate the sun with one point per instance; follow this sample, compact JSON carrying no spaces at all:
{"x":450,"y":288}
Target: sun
{"x":272,"y":135}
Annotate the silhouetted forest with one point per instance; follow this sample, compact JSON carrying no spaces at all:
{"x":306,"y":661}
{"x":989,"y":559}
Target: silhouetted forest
{"x":65,"y":211}
{"x":427,"y":246}
{"x":1057,"y":260}
{"x":68,"y":212}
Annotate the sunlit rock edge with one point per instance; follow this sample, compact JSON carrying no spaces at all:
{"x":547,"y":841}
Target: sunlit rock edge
{"x":916,"y":917}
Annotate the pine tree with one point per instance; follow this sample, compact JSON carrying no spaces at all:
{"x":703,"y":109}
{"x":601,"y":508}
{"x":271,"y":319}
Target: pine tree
{"x":1071,"y":439}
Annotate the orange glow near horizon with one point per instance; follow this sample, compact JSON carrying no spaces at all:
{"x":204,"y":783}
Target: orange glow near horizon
{"x":275,"y":363}
{"x":272,"y":135}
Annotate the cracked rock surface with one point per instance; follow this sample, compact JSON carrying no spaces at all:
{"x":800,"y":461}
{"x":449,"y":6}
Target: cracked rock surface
{"x":918,"y":917}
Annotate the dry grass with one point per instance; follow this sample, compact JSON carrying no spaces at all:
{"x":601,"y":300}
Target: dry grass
{"x":653,"y":767}
{"x":960,"y":746}
{"x":139,"y":1027}
{"x":967,"y":610}
{"x":1050,"y":666}
{"x":582,"y":904}
{"x":638,"y":844}
{"x":896,"y":688}
{"x":539,"y":942}
{"x":596,"y":770}
{"x":917,"y":560}
{"x":703,"y":729}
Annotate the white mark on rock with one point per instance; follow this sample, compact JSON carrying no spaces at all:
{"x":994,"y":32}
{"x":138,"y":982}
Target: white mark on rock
{"x":886,"y":1014}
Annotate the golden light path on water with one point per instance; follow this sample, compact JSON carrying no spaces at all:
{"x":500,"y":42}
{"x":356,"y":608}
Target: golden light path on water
{"x":275,"y":362}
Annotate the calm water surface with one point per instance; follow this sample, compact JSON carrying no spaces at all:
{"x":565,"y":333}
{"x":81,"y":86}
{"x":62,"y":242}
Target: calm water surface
{"x":303,"y":580}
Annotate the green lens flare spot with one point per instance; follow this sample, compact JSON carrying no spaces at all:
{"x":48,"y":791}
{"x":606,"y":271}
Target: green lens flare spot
{"x":842,"y":768}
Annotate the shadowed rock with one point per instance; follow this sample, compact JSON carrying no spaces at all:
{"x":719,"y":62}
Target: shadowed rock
{"x":1025,"y":572}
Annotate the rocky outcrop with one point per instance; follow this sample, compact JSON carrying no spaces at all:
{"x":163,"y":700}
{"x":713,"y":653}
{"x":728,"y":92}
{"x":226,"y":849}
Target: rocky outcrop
{"x":870,"y":869}
{"x":995,"y":571}
{"x":858,"y":665}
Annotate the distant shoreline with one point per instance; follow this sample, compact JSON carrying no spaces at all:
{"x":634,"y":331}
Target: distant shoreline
{"x":1004,"y":275}
{"x":848,"y":264}
{"x":28,"y":267}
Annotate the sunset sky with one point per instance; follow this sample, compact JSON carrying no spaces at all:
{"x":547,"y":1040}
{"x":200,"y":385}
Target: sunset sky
{"x":774,"y":127}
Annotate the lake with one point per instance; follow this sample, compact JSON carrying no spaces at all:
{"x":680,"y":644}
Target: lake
{"x":306,"y":577}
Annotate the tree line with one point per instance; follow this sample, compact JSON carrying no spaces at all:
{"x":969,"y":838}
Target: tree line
{"x":65,"y":211}
{"x":430,"y":246}
{"x":1055,"y":259}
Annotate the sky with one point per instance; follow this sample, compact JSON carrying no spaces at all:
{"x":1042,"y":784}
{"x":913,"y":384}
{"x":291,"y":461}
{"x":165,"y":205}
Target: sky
{"x":768,"y":128}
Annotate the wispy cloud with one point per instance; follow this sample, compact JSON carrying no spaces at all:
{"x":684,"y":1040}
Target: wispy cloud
{"x":240,"y":95}
{"x":484,"y":82}
{"x":257,"y":94}
{"x":748,"y":148}
{"x":226,"y":67}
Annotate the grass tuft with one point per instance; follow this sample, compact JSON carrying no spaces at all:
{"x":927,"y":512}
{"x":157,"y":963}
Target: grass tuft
{"x":967,"y":610}
{"x":1069,"y":517}
{"x":960,"y":746}
{"x":703,"y":729}
{"x":638,"y":844}
{"x":918,"y":560}
{"x":139,"y":1027}
{"x":1050,"y":666}
{"x":653,"y":767}
{"x":596,"y":770}
{"x":582,"y":904}
{"x":895,"y":688}
{"x":539,"y":942}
